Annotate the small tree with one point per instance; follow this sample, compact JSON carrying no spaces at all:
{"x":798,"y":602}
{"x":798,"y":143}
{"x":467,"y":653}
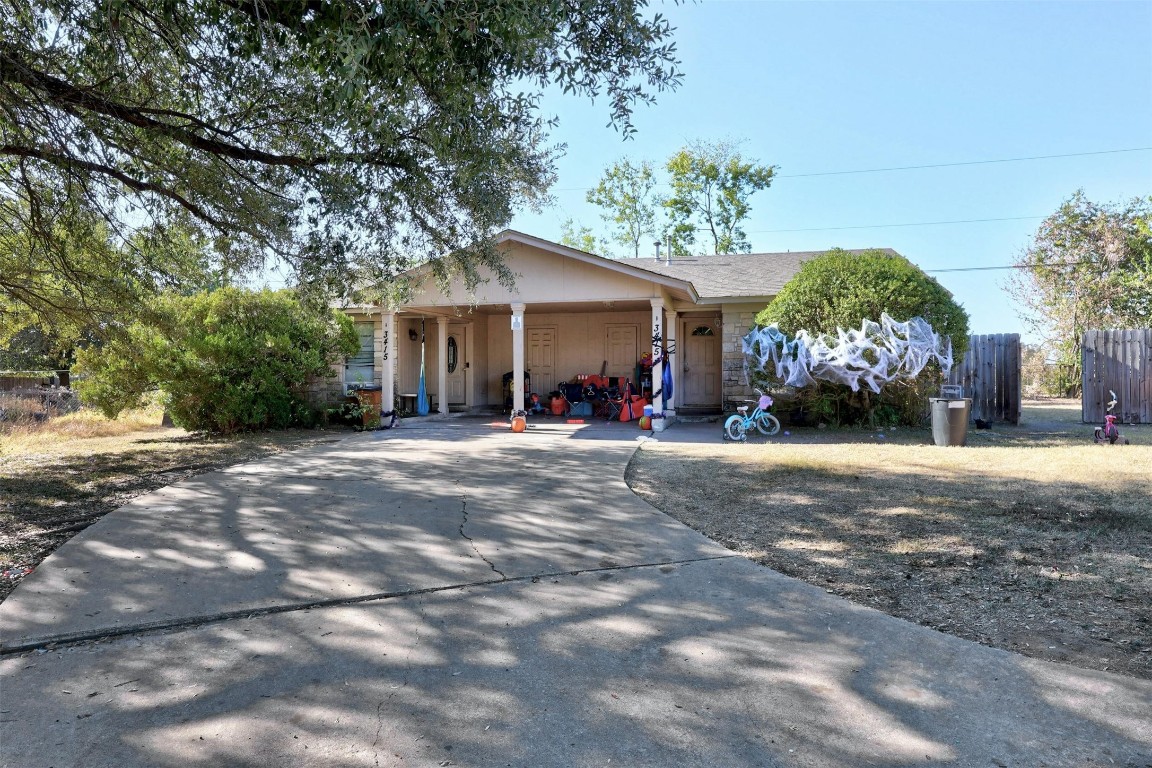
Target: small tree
{"x":711,"y":186}
{"x":227,"y":360}
{"x":626,"y":195}
{"x":583,"y":238}
{"x":839,"y":290}
{"x":1089,"y":267}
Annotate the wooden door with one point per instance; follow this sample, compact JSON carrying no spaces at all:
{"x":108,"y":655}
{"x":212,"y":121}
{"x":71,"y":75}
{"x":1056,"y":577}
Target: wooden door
{"x":701,"y":364}
{"x":457,"y":365}
{"x":540,"y":359}
{"x":621,"y":351}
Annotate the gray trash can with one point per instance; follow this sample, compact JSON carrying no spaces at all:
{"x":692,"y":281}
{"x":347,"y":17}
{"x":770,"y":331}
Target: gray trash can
{"x":950,"y":419}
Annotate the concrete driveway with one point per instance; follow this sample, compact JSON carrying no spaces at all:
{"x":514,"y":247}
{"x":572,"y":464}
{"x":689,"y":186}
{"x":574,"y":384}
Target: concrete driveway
{"x":452,"y":594}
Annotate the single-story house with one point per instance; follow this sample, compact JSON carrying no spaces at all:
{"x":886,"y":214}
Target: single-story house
{"x":571,"y":313}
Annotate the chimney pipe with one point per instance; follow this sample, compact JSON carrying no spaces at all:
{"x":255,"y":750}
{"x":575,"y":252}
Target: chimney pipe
{"x":657,"y":250}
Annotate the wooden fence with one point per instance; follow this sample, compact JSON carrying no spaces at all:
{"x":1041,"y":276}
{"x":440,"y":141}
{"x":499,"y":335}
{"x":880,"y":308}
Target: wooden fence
{"x":1120,"y":361}
{"x":990,"y":375}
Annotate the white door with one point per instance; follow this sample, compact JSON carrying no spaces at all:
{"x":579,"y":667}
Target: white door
{"x":457,"y":365}
{"x":699,"y":347}
{"x":621,"y":351}
{"x":540,"y":359}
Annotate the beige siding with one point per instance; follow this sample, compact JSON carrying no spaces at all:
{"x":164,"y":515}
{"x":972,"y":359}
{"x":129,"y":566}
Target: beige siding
{"x":580,"y":345}
{"x":542,"y":277}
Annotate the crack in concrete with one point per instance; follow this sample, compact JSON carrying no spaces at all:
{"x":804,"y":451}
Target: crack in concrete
{"x":464,"y":522}
{"x":100,"y":635}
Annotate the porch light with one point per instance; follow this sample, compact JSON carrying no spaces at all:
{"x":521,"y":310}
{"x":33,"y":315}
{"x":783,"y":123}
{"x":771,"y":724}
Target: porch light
{"x":412,"y":334}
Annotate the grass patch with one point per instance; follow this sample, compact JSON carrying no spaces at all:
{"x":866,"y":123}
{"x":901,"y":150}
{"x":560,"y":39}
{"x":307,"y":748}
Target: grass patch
{"x":1032,"y":538}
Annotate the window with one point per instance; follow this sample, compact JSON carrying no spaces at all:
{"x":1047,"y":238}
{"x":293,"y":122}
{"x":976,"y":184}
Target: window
{"x":703,"y":330}
{"x":453,"y":354}
{"x":360,"y":367}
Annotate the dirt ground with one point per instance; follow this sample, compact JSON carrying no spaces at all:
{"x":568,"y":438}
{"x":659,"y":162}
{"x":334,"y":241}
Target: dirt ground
{"x":1032,"y":538}
{"x":50,"y":489}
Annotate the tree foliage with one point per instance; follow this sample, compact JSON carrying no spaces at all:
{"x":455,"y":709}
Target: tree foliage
{"x":839,"y":289}
{"x":344,"y":138}
{"x":711,"y":186}
{"x":626,"y":193}
{"x":86,"y":283}
{"x":1089,"y":268}
{"x":584,"y":239}
{"x":226,"y":360}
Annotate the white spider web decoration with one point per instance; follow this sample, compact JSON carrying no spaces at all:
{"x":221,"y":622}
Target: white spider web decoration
{"x":900,"y":350}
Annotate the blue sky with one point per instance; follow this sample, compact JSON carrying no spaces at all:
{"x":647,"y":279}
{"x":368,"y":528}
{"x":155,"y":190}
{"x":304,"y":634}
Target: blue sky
{"x":822,"y":87}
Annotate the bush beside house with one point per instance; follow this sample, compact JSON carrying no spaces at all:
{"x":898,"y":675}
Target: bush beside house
{"x":226,"y":361}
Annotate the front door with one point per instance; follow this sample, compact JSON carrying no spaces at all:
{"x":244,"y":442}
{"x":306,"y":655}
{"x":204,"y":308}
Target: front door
{"x":621,"y":351}
{"x":701,"y":361}
{"x":457,"y":365}
{"x":540,"y":359}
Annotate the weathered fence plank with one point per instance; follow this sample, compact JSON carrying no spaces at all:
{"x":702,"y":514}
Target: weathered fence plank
{"x":990,"y":375}
{"x":1117,"y":361}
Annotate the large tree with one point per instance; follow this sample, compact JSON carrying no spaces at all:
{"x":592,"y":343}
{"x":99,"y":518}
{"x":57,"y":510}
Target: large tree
{"x":342,"y":137}
{"x":711,"y":184}
{"x":1089,"y":267}
{"x":626,"y":193}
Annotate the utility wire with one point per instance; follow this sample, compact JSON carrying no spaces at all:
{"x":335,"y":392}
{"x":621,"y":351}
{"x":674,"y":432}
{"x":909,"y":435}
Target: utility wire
{"x":1014,"y":266}
{"x":932,"y":165}
{"x":967,"y":162}
{"x":882,"y":226}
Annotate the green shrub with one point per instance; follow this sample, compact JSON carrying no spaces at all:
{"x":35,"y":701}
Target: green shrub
{"x":839,"y":289}
{"x":228,"y":360}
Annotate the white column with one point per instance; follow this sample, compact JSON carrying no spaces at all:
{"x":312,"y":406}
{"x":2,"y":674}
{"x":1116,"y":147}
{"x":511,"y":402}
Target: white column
{"x":442,"y":363}
{"x":517,"y":357}
{"x":671,"y":330}
{"x":388,"y":349}
{"x":657,"y":348}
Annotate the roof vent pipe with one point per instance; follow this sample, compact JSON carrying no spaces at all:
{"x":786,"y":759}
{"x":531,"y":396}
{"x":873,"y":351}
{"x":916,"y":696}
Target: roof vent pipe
{"x":669,"y":253}
{"x":657,"y":250}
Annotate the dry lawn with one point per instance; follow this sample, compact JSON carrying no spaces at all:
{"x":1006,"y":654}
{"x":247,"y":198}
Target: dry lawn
{"x":59,"y":477}
{"x":1032,"y":538}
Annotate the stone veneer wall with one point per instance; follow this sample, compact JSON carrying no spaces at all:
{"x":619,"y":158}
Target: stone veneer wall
{"x":737,"y":320}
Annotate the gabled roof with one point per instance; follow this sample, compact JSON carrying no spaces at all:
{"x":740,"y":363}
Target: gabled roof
{"x":736,"y":275}
{"x":625,"y":266}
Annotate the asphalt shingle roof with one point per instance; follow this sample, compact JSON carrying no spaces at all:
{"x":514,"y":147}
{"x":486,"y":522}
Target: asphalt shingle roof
{"x":736,"y":274}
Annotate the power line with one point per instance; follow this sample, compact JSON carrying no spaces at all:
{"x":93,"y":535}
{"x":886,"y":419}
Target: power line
{"x":1014,"y":266}
{"x":882,"y":226}
{"x":931,"y":165}
{"x":966,"y":162}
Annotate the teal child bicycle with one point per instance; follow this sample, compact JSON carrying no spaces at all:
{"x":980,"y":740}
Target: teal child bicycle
{"x":737,"y":425}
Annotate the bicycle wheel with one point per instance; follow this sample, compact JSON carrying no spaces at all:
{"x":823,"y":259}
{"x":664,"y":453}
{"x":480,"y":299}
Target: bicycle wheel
{"x":767,"y":424}
{"x":734,"y":428}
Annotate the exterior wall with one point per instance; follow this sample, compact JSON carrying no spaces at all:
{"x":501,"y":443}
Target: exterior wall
{"x":541,"y":277}
{"x":737,"y":320}
{"x":322,"y":392}
{"x":580,"y":344}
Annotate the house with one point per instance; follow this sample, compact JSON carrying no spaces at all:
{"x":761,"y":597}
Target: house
{"x":571,"y":313}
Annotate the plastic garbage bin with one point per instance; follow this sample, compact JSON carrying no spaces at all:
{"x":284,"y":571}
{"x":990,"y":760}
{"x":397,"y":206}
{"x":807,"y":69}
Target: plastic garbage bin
{"x":950,"y":419}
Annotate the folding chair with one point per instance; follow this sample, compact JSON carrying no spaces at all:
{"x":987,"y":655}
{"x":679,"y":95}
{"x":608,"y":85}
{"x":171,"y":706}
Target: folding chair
{"x":573,"y":394}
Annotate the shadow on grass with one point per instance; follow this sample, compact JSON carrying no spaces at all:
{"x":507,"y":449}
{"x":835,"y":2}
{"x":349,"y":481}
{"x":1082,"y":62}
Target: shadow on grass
{"x":1059,"y":571}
